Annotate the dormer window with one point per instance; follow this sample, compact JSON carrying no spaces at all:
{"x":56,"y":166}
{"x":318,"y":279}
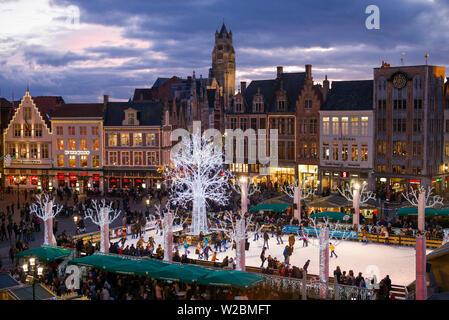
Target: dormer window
{"x":130,"y":118}
{"x":258,"y":104}
{"x":282,"y":105}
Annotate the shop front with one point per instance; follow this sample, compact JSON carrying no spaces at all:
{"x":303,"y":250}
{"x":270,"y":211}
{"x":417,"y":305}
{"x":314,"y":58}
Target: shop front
{"x":281,"y":175}
{"x":27,"y":179}
{"x":132,"y":180}
{"x":79,"y":181}
{"x":308,"y":175}
{"x":332,"y":179}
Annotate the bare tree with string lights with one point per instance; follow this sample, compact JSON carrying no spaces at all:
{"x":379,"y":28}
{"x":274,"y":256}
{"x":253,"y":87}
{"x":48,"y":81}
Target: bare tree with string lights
{"x":358,"y":197}
{"x":422,"y":198}
{"x":46,"y":209}
{"x":102,"y":214}
{"x":297,"y":192}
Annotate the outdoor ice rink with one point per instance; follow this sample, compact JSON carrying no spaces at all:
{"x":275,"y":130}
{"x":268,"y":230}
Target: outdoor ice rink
{"x":396,"y":261}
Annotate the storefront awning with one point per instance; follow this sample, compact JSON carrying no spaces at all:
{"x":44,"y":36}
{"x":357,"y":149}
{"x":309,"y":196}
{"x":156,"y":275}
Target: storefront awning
{"x":274,"y":207}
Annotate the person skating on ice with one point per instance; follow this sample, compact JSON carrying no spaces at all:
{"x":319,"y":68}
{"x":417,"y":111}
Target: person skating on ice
{"x":332,"y":249}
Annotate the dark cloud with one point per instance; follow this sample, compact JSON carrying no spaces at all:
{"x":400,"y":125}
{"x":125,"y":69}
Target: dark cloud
{"x":266,"y":34}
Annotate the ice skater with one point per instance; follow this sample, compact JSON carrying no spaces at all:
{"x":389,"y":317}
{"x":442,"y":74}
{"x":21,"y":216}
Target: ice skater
{"x":305,"y":241}
{"x":186,"y":248}
{"x":265,"y":239}
{"x":332,"y":249}
{"x":279,"y":235}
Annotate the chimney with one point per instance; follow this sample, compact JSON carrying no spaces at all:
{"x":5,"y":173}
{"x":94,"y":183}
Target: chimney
{"x":280,"y":70}
{"x":242,"y":86}
{"x":325,"y":88}
{"x":105,"y":99}
{"x":308,"y":71}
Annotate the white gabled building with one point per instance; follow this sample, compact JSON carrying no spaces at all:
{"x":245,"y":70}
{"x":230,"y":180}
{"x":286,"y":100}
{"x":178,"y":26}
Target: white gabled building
{"x":27,"y":140}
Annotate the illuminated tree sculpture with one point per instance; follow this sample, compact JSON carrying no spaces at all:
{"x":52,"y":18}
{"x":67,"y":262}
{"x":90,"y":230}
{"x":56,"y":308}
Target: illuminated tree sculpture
{"x":46,"y":209}
{"x":198,"y":177}
{"x":246,"y":189}
{"x":297,"y":192}
{"x":102,"y":214}
{"x":168,"y":216}
{"x":237,"y":231}
{"x":422,"y":198}
{"x":325,"y":233}
{"x":358,"y":197}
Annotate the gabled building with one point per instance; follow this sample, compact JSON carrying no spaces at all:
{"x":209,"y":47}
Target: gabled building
{"x":137,"y":144}
{"x":272,"y":104}
{"x":27,"y":140}
{"x":77,"y":140}
{"x":347,"y":135}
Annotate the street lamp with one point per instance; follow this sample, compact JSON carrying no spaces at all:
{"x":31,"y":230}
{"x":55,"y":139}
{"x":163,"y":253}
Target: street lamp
{"x":33,"y":272}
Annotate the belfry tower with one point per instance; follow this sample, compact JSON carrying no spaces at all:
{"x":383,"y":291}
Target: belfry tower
{"x":223,"y":63}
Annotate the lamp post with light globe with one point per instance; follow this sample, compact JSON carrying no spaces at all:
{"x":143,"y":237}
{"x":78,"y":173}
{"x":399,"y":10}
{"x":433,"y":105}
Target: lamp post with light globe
{"x":33,"y":272}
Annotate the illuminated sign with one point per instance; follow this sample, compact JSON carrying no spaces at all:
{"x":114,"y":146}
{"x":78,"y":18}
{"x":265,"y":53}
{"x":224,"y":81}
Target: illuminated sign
{"x":77,"y":152}
{"x":344,"y":174}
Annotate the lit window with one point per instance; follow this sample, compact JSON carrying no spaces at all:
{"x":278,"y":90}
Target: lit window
{"x":124,"y":139}
{"x":326,"y":125}
{"x":137,"y":139}
{"x":355,"y":126}
{"x":138,"y":158}
{"x":95,"y":145}
{"x":83,"y":161}
{"x":151,"y":140}
{"x":83,"y":131}
{"x":72,"y":160}
{"x":59,"y":131}
{"x":83,"y":144}
{"x":60,"y":160}
{"x":112,"y":141}
{"x":60,"y":144}
{"x":38,"y":130}
{"x":95,"y":161}
{"x":72,"y":145}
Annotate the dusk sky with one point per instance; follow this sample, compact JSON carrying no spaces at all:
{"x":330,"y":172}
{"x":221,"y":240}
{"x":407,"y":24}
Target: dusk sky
{"x":120,"y":45}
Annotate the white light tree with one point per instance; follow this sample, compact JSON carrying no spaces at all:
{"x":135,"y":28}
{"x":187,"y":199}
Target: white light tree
{"x":198,"y":176}
{"x":46,"y":209}
{"x":237,"y":231}
{"x":245,"y":189}
{"x":168,"y":216}
{"x":358,"y":197}
{"x":422,"y":198}
{"x":297,"y":192}
{"x":102,"y":214}
{"x":327,"y":233}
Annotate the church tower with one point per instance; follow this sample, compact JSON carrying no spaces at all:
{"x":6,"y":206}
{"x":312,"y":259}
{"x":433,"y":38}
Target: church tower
{"x":223,"y":63}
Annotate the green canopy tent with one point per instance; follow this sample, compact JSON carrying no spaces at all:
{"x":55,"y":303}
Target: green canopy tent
{"x":184,"y":273}
{"x":174,"y":272}
{"x":232,"y":278}
{"x":334,"y":215}
{"x":413,"y":211}
{"x":45,"y":253}
{"x":274,"y":207}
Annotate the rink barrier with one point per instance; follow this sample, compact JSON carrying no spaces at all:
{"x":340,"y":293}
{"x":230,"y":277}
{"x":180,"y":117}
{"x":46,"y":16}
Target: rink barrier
{"x":376,"y":238}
